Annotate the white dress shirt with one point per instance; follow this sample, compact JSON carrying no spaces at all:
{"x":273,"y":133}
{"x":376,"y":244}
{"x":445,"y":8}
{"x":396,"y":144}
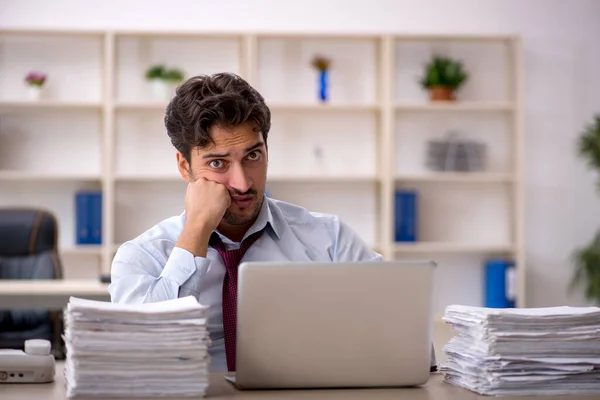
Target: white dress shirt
{"x":150,"y":268}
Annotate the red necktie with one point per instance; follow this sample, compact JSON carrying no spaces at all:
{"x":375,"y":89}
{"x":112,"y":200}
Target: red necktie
{"x":231,"y":259}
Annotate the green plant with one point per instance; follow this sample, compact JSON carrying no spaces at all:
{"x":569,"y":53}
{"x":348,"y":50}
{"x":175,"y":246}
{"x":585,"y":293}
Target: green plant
{"x":173,"y":75}
{"x":587,"y":259}
{"x":155,"y":72}
{"x":161,"y":72}
{"x":444,"y":71}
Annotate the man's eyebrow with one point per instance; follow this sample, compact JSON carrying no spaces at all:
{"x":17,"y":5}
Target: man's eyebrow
{"x":255,"y":146}
{"x":223,"y":155}
{"x":216,"y":155}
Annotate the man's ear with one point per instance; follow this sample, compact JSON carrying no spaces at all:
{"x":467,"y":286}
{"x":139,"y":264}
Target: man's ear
{"x":184,"y":167}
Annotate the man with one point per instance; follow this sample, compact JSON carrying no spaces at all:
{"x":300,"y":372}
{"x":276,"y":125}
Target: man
{"x":219,"y":126}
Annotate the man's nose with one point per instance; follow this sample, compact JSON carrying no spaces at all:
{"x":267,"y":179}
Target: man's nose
{"x":239,"y":179}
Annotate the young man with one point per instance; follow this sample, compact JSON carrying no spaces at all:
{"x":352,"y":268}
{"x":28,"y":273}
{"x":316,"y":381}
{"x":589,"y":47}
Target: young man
{"x":219,"y":126}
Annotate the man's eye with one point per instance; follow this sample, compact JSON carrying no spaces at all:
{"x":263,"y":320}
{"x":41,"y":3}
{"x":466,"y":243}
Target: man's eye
{"x":217,"y":164}
{"x":255,"y":155}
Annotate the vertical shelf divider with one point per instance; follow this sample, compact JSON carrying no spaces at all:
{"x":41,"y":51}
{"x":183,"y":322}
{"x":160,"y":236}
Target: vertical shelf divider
{"x":386,"y":145}
{"x":515,"y":49}
{"x":108,"y":154}
{"x":249,"y":59}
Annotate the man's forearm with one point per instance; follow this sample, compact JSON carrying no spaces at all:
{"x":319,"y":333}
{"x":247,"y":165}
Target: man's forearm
{"x":194,"y":238}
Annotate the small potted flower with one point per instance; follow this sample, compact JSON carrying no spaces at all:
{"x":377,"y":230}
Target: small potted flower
{"x":35,"y":81}
{"x":322,"y":64}
{"x":163,"y":80}
{"x":443,"y":77}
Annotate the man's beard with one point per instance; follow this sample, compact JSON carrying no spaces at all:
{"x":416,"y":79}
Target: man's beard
{"x":235,"y":219}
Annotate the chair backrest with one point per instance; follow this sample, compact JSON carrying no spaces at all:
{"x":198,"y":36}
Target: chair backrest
{"x":28,"y":245}
{"x":28,"y":250}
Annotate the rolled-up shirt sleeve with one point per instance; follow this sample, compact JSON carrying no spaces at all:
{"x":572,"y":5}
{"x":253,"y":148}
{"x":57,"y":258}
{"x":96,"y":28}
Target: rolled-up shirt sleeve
{"x":350,"y":247}
{"x":138,"y":276}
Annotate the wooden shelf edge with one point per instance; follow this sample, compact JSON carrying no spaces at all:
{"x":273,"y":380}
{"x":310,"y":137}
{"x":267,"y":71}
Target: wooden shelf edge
{"x":322,"y":107}
{"x":466,"y":106}
{"x":50,"y":104}
{"x":82,"y":250}
{"x":37,"y":176}
{"x":451,"y":248}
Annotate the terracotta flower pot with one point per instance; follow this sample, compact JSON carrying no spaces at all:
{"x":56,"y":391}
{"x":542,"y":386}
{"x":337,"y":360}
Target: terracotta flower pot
{"x":441,"y":93}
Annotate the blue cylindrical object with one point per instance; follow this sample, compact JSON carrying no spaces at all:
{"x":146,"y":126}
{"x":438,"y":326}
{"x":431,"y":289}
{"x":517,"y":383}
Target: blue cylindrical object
{"x":499,"y":284}
{"x":323,"y":82}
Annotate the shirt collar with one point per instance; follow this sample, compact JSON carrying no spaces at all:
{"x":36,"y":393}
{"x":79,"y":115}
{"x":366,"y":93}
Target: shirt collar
{"x":265,"y":218}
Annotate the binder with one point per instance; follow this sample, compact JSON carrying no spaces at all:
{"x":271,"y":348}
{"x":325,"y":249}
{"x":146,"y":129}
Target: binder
{"x":406,"y":216}
{"x":499,"y":289}
{"x":88,"y":217}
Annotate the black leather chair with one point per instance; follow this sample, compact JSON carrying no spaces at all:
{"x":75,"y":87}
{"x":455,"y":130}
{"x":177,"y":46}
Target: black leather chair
{"x":28,"y":250}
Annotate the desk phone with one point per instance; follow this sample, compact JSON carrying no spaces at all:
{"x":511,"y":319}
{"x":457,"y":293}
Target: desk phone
{"x":34,"y":365}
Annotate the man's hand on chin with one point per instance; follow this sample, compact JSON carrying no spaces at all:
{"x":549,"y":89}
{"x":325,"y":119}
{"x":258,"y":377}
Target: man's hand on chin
{"x":205,"y":205}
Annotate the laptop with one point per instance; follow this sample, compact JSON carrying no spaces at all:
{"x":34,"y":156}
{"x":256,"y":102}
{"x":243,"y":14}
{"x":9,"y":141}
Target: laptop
{"x":334,"y":325}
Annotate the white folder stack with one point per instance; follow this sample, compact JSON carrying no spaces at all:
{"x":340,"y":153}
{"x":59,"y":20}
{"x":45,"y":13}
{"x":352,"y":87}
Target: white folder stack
{"x":147,"y":350}
{"x":535,"y":351}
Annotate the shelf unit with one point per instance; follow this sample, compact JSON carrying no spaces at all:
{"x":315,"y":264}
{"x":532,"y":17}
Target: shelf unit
{"x":369,"y":131}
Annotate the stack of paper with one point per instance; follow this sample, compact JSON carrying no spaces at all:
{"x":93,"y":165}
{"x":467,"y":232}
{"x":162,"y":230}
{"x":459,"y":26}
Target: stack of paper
{"x":539,"y":351}
{"x":148,"y":350}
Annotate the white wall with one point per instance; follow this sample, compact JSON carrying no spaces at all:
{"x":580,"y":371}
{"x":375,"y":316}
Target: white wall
{"x":562,"y":86}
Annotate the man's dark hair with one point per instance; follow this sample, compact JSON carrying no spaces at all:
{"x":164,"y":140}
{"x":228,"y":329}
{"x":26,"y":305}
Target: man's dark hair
{"x":204,"y":101}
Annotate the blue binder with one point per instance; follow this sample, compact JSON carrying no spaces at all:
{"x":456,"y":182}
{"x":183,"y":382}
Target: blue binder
{"x":499,"y":291}
{"x":406,"y":216}
{"x":88,"y":217}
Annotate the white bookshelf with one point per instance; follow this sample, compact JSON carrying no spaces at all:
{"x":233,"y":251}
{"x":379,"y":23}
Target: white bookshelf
{"x":98,"y":127}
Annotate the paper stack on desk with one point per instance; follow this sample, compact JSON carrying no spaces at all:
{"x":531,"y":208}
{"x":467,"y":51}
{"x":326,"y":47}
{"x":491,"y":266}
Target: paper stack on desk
{"x":535,"y":351}
{"x":148,"y":350}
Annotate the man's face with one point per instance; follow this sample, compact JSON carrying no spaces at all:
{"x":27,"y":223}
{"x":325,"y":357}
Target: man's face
{"x":238,"y":160}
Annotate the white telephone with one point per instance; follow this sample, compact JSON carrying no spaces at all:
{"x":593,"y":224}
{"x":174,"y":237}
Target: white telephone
{"x":34,"y":365}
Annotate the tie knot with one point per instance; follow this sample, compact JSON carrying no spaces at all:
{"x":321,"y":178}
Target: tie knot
{"x":232,"y":258}
{"x":217,"y":243}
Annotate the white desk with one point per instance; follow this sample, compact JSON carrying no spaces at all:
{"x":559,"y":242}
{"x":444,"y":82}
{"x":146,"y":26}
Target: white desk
{"x":48,"y":294}
{"x":435,"y":389}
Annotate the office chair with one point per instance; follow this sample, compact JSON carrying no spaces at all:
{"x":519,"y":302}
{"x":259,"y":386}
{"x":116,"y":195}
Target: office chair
{"x":28,"y":250}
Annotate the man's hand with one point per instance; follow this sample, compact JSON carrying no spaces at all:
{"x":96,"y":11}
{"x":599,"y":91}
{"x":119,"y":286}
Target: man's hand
{"x":205,"y":204}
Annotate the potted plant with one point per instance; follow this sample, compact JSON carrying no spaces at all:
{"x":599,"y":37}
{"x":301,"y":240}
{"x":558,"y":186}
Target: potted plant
{"x":322,"y":64}
{"x":443,"y":77}
{"x":587,"y":258}
{"x":162,"y":80}
{"x":35,"y":81}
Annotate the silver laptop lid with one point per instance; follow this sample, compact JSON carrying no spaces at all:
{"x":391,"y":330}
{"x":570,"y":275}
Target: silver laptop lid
{"x":334,"y":324}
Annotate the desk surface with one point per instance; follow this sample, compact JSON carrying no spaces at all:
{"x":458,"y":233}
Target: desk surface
{"x":435,"y":389}
{"x":49,"y":294}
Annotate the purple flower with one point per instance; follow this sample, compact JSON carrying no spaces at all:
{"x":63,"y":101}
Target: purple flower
{"x":35,"y":78}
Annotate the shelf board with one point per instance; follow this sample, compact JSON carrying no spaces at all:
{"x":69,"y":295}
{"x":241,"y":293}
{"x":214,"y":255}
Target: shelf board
{"x":304,"y":35}
{"x":273,"y":178}
{"x":24,"y":105}
{"x":45,"y":176}
{"x":141,"y":105}
{"x":148,"y":178}
{"x":455,"y":37}
{"x":316,"y":107}
{"x":82,"y":250}
{"x":53,"y":32}
{"x":168,"y":34}
{"x":270,"y":178}
{"x":276,"y":107}
{"x":451,"y":248}
{"x":457,"y":177}
{"x":466,"y":106}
